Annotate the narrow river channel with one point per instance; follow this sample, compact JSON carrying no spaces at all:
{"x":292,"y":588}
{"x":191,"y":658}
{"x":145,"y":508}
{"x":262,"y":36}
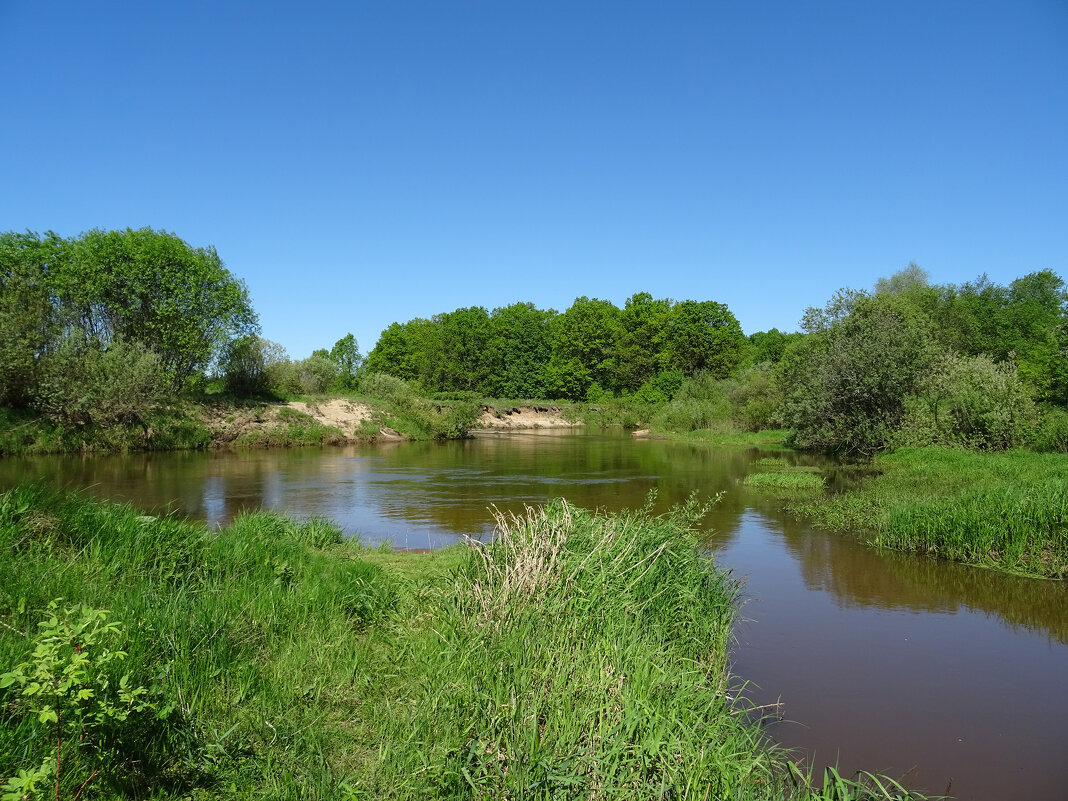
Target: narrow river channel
{"x":940,"y":675}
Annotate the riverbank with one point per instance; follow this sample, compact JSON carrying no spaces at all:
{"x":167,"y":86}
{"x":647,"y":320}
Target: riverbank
{"x":224,"y":422}
{"x":279,"y":660}
{"x":1002,"y":510}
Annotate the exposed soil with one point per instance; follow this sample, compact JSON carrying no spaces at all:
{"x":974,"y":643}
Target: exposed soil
{"x":521,"y":417}
{"x":337,"y":412}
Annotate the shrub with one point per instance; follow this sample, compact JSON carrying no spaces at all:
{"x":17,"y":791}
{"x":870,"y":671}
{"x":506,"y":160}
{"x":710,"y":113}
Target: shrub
{"x":1051,"y":432}
{"x":83,"y":382}
{"x":251,"y":365}
{"x":846,"y":385}
{"x":385,"y":386}
{"x":970,"y":402}
{"x":316,"y":374}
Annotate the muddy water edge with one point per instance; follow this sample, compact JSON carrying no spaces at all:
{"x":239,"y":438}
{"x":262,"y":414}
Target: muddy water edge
{"x":944,"y":676}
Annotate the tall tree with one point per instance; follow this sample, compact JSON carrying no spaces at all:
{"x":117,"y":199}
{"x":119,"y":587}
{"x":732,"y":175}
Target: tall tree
{"x":703,"y":336}
{"x":346,"y":354}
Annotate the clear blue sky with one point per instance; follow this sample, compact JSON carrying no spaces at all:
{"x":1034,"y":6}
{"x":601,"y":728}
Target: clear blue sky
{"x":358,"y":163}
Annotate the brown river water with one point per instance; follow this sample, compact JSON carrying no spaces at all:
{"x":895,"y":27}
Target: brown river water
{"x":940,"y":675}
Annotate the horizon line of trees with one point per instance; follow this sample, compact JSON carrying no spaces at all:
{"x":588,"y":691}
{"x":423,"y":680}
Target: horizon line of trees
{"x":591,"y":350}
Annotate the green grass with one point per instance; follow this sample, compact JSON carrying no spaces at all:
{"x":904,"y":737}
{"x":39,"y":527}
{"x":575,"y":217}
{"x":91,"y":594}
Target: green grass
{"x":771,"y":439}
{"x":785,"y":480}
{"x":25,"y":432}
{"x":578,"y":656}
{"x":1003,"y":510}
{"x":293,"y":429}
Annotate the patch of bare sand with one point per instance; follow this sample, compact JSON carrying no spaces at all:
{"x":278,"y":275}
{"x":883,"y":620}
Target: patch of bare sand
{"x":337,"y":412}
{"x":520,"y":417}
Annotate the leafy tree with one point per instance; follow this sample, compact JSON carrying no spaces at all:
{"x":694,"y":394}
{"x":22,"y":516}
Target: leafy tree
{"x":518,"y":351}
{"x":316,"y":374}
{"x":583,"y":341}
{"x":703,"y":336}
{"x":971,"y":402}
{"x":639,"y":349}
{"x":846,"y":386}
{"x":462,"y":339}
{"x":29,"y":323}
{"x":770,"y":345}
{"x":903,"y":282}
{"x":152,"y":287}
{"x":346,"y":355}
{"x":252,"y":365}
{"x":835,"y":310}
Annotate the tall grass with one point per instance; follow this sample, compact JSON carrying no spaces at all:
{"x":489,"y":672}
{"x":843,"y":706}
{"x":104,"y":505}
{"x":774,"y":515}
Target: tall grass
{"x":249,"y":640}
{"x":576,"y":656}
{"x":1006,"y":510}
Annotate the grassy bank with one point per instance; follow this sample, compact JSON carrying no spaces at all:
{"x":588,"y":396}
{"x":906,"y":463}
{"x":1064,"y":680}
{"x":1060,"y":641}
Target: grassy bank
{"x":580,"y":656}
{"x":218,"y":421}
{"x":1004,"y":510}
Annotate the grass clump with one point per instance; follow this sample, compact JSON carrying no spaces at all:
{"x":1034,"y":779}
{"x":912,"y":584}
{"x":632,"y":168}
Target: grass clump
{"x":794,"y":480}
{"x":1007,"y":510}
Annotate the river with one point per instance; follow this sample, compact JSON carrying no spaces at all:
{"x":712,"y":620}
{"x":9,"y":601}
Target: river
{"x":940,"y":675}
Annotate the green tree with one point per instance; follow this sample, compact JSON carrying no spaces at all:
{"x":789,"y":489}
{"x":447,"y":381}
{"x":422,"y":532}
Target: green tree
{"x":152,"y":287}
{"x":583,"y":343}
{"x":29,"y":322}
{"x":639,"y":348}
{"x":461,"y":359}
{"x":346,"y":355}
{"x":518,"y":351}
{"x":703,"y":336}
{"x":845,"y":388}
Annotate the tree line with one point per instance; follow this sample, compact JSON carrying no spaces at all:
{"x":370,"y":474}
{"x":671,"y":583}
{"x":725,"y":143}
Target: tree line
{"x":977,"y":365}
{"x":592,"y":350}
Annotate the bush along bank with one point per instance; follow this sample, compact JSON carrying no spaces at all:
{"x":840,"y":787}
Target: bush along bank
{"x":577,"y":656}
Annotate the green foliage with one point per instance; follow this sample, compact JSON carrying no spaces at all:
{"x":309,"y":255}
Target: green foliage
{"x":67,"y":685}
{"x":969,"y":402}
{"x":703,"y":337}
{"x":1051,"y":432}
{"x":1006,"y":510}
{"x":101,"y":329}
{"x":785,"y":480}
{"x":385,"y":386}
{"x":151,"y":287}
{"x":283,"y":663}
{"x":316,"y":374}
{"x":82,"y":382}
{"x":770,"y":346}
{"x":517,"y":351}
{"x":346,"y":355}
{"x":29,"y":321}
{"x":251,"y":641}
{"x":846,"y":387}
{"x":590,"y":352}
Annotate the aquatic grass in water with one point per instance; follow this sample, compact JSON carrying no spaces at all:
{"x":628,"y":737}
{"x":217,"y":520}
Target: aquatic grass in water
{"x":1008,"y":510}
{"x":800,"y":480}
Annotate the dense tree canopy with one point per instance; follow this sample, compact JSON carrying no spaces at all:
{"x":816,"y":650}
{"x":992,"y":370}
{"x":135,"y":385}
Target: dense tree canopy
{"x":925,"y":363}
{"x":174,"y":307}
{"x":591,"y":348}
